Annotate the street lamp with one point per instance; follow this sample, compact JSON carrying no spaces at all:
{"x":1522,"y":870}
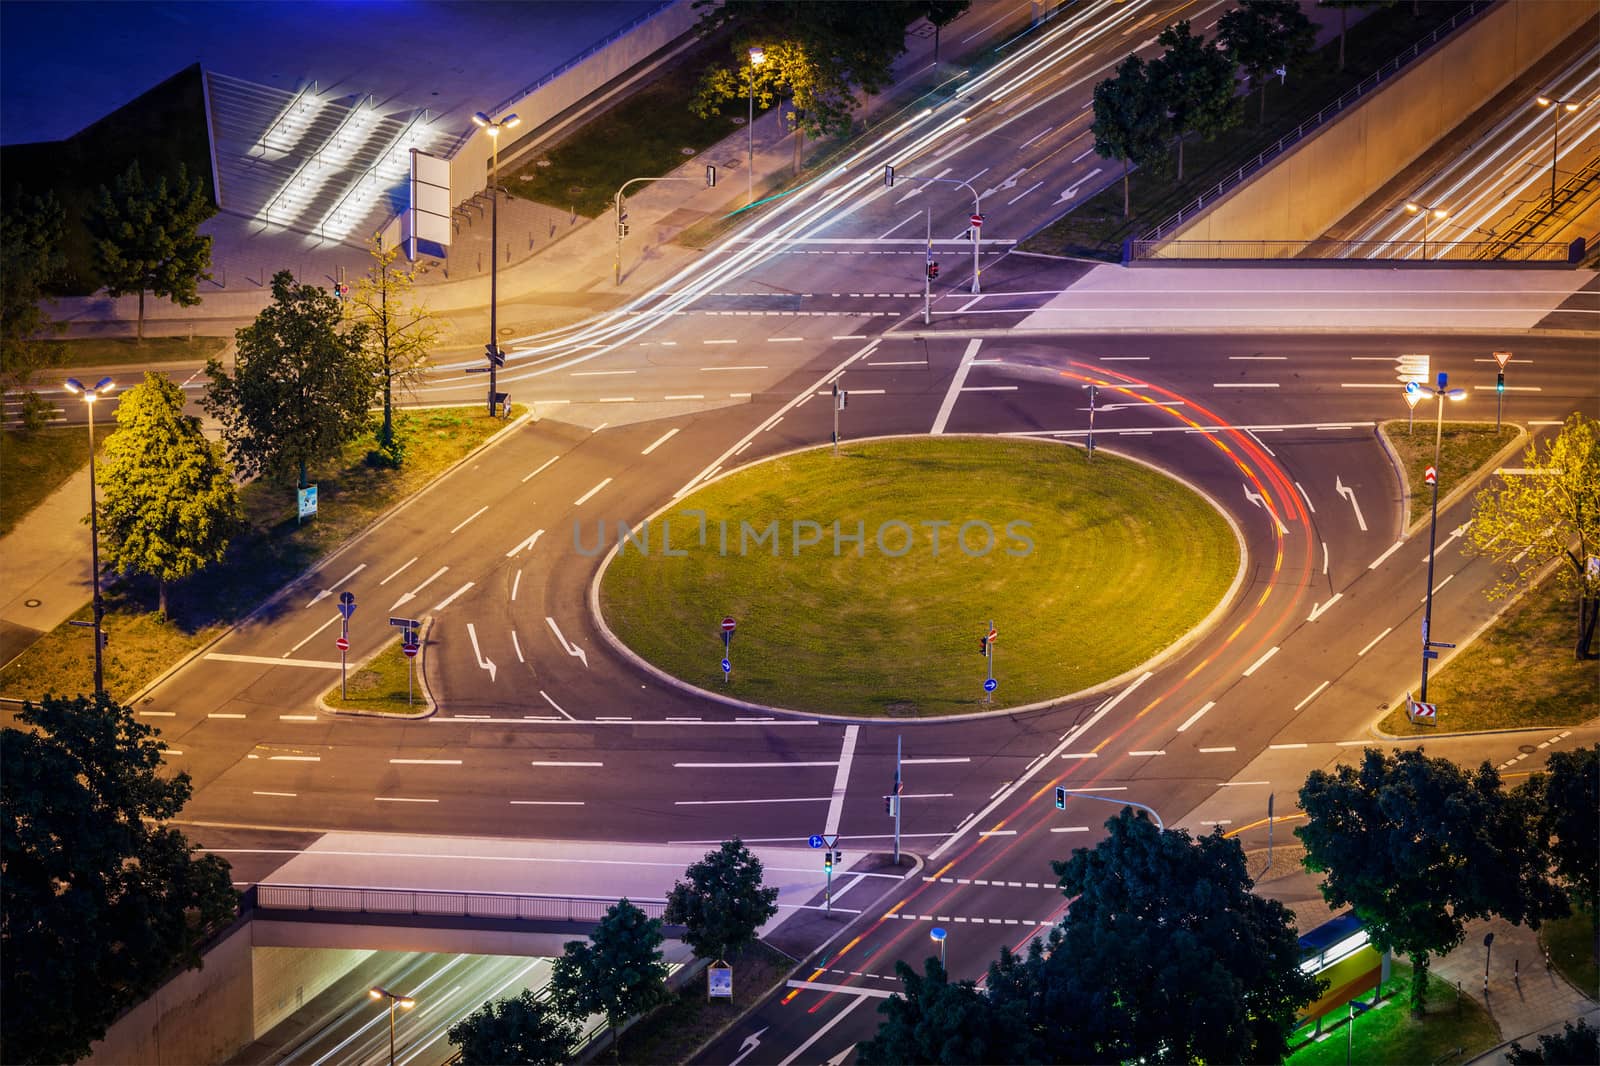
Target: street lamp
{"x":493,"y":128}
{"x":1440,"y":392}
{"x":404,"y":1003}
{"x":1439,"y":213}
{"x":90,"y":394}
{"x":1556,"y":107}
{"x":758,"y":56}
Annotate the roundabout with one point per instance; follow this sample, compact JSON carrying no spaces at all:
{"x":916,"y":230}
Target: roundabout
{"x":863,"y":584}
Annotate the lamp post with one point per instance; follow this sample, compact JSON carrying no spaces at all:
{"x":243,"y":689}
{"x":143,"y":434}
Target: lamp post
{"x":758,"y":56}
{"x":1440,"y":392}
{"x":493,"y":128}
{"x":1556,"y":107}
{"x":90,"y":394}
{"x":1439,"y":213}
{"x":404,"y":1002}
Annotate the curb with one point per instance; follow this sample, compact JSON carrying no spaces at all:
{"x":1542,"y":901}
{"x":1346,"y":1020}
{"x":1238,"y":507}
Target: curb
{"x":1489,"y":466}
{"x":1200,"y":629}
{"x":430,"y":705}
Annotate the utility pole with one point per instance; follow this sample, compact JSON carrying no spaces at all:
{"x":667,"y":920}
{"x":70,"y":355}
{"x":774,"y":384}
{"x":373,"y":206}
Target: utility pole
{"x":927,"y":271}
{"x":493,"y":128}
{"x":1094,"y":390}
{"x":897,"y":787}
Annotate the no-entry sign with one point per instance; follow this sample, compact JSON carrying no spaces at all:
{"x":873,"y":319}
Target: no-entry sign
{"x":728,"y":625}
{"x":342,"y":644}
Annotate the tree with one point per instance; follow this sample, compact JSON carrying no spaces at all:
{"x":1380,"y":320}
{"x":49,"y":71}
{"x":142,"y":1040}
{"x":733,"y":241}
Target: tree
{"x":147,"y":237}
{"x":1419,"y":846}
{"x":101,"y":901}
{"x":399,"y":332}
{"x":1130,"y":119}
{"x":1344,"y":7}
{"x":1551,"y":512}
{"x":1575,"y":1043}
{"x":934,"y":1021}
{"x":521,"y":1029}
{"x":618,"y":972}
{"x":1567,"y":799}
{"x":168,"y":506}
{"x":1169,"y":953}
{"x":940,"y":13}
{"x":1264,"y":35}
{"x":1196,"y":80}
{"x":30,"y":247}
{"x":300,"y":389}
{"x":722,"y":904}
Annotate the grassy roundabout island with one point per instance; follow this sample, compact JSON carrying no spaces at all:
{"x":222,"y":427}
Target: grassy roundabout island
{"x":1086,"y":568}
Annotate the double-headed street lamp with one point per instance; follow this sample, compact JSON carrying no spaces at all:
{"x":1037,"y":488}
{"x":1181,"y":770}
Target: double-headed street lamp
{"x":403,"y":1002}
{"x":758,"y":56}
{"x":1439,"y":214}
{"x":90,"y":394}
{"x":1556,"y":107}
{"x":493,"y":128}
{"x":1440,"y":391}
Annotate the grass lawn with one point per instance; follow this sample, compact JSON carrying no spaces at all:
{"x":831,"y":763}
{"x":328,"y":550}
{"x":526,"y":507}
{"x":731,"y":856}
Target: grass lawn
{"x":119,"y":351}
{"x":33,"y":465}
{"x":1122,"y":563}
{"x":1097,"y":228}
{"x":1453,"y":1030}
{"x":380,"y":685}
{"x":1463,"y":448}
{"x":1570,"y":942}
{"x":671,"y":1032}
{"x":272,"y":551}
{"x":1519,"y":673}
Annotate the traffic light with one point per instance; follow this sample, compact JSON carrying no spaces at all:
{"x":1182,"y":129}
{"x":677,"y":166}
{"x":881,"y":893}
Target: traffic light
{"x":983,"y":645}
{"x":891,"y":805}
{"x":711,"y":176}
{"x":827,"y":860}
{"x":888,"y":175}
{"x":495,"y":356}
{"x":341,"y":290}
{"x":1061,"y":798}
{"x":933,"y":271}
{"x":1500,"y":382}
{"x":622,"y":230}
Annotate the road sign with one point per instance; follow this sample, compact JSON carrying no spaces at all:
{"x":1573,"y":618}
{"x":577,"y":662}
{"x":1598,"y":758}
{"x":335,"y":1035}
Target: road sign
{"x":993,"y":633}
{"x":830,"y":841}
{"x":815,"y":840}
{"x":308,"y":501}
{"x":1502,"y":358}
{"x":728,"y":625}
{"x":976,"y":220}
{"x":406,"y":623}
{"x":719,"y":976}
{"x":342,"y":644}
{"x":1427,"y":712}
{"x":1431,"y":476}
{"x":410,"y":650}
{"x":347,"y":604}
{"x":990,"y":684}
{"x":727,"y":667}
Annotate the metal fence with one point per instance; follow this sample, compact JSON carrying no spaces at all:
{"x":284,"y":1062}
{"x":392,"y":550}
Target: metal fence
{"x":1559,"y":253}
{"x":1300,"y":132}
{"x":415,"y":902}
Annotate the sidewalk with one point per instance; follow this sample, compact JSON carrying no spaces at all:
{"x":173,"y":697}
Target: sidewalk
{"x":46,"y":568}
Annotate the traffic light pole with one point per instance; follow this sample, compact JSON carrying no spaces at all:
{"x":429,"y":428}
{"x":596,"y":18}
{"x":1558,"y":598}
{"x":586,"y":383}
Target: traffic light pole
{"x":897,"y":787}
{"x":927,"y":272}
{"x":977,"y":213}
{"x":622,"y":218}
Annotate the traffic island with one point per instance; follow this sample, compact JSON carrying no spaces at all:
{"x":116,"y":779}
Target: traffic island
{"x":900,"y":576}
{"x":389,"y":684}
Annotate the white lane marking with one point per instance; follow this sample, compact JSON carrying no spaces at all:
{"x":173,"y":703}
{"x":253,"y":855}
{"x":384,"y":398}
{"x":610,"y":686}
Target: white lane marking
{"x":483,"y":661}
{"x":709,"y":369}
{"x":294,"y":758}
{"x":1103,"y":788}
{"x":841,"y":780}
{"x":286,"y":795}
{"x":1314,"y":694}
{"x":545,"y":803}
{"x":784,"y":340}
{"x":168,"y":714}
{"x":1324,"y":558}
{"x":1080,"y":157}
{"x":542,"y":466}
{"x":1286,"y":747}
{"x":931,"y":761}
{"x":398,"y":572}
{"x":1124,"y":358}
{"x":897,"y":225}
{"x":688,"y":396}
{"x":409,"y":596}
{"x":306,"y":640}
{"x":1082,"y":755}
{"x":861,"y":994}
{"x":1244,"y":385}
{"x":1261,"y":442}
{"x":615,"y":399}
{"x":1237,"y":784}
{"x":297,"y":718}
{"x":556,"y":705}
{"x":1146,"y":753}
{"x":1306,"y":496}
{"x":469,"y":518}
{"x":734,"y":803}
{"x":525,"y":545}
{"x":1345,"y":490}
{"x":1371,"y":643}
{"x":1448,"y":578}
{"x":1257,"y":358}
{"x":943,"y":417}
{"x":401,"y":799}
{"x":554,"y":762}
{"x":324,"y":593}
{"x":448,"y":600}
{"x":425,"y":762}
{"x":516,"y":583}
{"x":1260,"y":501}
{"x":998,"y":833}
{"x":1259,"y":663}
{"x":600,"y":373}
{"x":898,"y":362}
{"x":1072,"y":190}
{"x":721,"y":340}
{"x":262,"y":660}
{"x":515,"y":643}
{"x":748,"y":765}
{"x":989,"y":388}
{"x":1023,"y":193}
{"x":1195,"y":717}
{"x":1320,"y":609}
{"x":571,"y":649}
{"x":1379,"y":560}
{"x":1210,"y":751}
{"x":1035,"y":137}
{"x":586,"y":497}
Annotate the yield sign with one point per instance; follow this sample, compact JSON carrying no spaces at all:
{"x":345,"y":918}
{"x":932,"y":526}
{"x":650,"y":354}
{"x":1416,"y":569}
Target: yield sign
{"x":1502,"y":358}
{"x":830,"y":841}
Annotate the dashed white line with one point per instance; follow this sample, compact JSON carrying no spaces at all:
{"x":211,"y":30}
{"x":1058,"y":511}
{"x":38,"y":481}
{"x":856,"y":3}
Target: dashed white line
{"x":1379,"y":560}
{"x":1214,"y":751}
{"x":401,"y":799}
{"x":557,"y":763}
{"x":586,"y":497}
{"x":557,"y":706}
{"x":469,"y":518}
{"x":448,"y":600}
{"x":285,"y":795}
{"x":425,"y":762}
{"x":1244,"y":385}
{"x":1259,"y":663}
{"x":600,"y":373}
{"x":398,"y":572}
{"x":728,"y":340}
{"x":1313,"y":695}
{"x":542,"y":466}
{"x":1237,"y":784}
{"x":1069,"y":829}
{"x":1286,"y":747}
{"x":997,"y":833}
{"x":784,"y":340}
{"x":294,"y":758}
{"x":515,"y":643}
{"x":668,"y":435}
{"x":688,"y":396}
{"x":545,"y":803}
{"x":297,"y":718}
{"x":933,"y":761}
{"x":220,"y":714}
{"x":1146,"y":753}
{"x":1195,"y":717}
{"x":616,"y":399}
{"x":709,"y":369}
{"x":1371,"y":643}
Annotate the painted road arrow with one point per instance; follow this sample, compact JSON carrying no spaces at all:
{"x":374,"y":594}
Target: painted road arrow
{"x":572,"y":649}
{"x":1350,"y":493}
{"x":751,"y":1042}
{"x":487,"y":664}
{"x":1072,"y":191}
{"x":529,"y":543}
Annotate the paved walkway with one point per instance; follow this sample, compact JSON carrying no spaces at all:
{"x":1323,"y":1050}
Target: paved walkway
{"x":44,"y":568}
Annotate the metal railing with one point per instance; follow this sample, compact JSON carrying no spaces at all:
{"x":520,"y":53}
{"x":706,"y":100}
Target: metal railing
{"x":364,"y":103}
{"x":1299,"y":133}
{"x":310,"y":90}
{"x":421,"y":117}
{"x":423,"y":903}
{"x":1554,"y":252}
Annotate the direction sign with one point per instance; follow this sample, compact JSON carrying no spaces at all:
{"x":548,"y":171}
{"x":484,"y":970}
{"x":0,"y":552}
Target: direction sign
{"x":342,"y":644}
{"x":815,"y":840}
{"x":727,"y":667}
{"x":410,"y":650}
{"x":728,"y":625}
{"x":1431,"y":476}
{"x":347,"y":604}
{"x":990,"y":685}
{"x":1502,"y":358}
{"x":406,"y":623}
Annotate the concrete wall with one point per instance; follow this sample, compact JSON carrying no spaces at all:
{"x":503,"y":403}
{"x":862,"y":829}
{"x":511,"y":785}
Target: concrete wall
{"x":283,"y":979}
{"x":1319,"y":181}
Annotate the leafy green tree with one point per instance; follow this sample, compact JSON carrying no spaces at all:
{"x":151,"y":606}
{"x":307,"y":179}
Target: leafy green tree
{"x":399,"y":332}
{"x":1552,"y":512}
{"x":1264,"y":35}
{"x":168,"y":506}
{"x":1196,"y":79}
{"x":1418,"y":847}
{"x":30,"y":248}
{"x":147,"y":237}
{"x":520,"y":1029}
{"x":1170,"y":954}
{"x":1575,"y":1043}
{"x":301,"y":386}
{"x":935,"y":1021}
{"x":100,"y":901}
{"x":1130,"y":119}
{"x":723,"y":903}
{"x":617,"y":972}
{"x":1567,"y":797}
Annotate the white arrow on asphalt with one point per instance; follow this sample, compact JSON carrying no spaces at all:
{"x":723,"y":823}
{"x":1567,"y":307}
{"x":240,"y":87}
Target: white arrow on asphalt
{"x":1073,"y":190}
{"x":1257,"y":499}
{"x":529,"y":543}
{"x":751,"y":1042}
{"x":1009,"y":183}
{"x":1318,"y":610}
{"x":487,"y":664}
{"x":325,"y":593}
{"x":1347,"y":491}
{"x":838,"y":1060}
{"x":572,"y":649}
{"x":918,"y":190}
{"x":409,"y":596}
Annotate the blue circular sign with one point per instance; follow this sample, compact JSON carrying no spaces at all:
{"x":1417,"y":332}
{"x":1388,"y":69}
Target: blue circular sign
{"x":990,"y":685}
{"x":815,"y":841}
{"x":727,"y":667}
{"x":936,"y":933}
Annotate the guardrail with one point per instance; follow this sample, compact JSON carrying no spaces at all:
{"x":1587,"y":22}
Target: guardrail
{"x":422,"y":903}
{"x":1559,"y":253}
{"x":1299,"y":133}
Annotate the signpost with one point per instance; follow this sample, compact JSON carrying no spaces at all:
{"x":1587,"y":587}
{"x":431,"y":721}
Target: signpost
{"x":829,"y":857}
{"x":840,"y":398}
{"x":728,"y":626}
{"x":987,"y":646}
{"x":1413,"y":397}
{"x":1500,"y":385}
{"x":308,"y":503}
{"x":1094,"y":391}
{"x":410,"y":643}
{"x":347,"y":607}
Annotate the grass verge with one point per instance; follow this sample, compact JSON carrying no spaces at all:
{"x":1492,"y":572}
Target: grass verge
{"x":273,"y":550}
{"x":33,"y":465}
{"x":1463,"y":449}
{"x":1097,"y":227}
{"x":1570,"y":942}
{"x":380,"y":686}
{"x":123,"y":351}
{"x":1519,"y":673}
{"x":1454,"y":1029}
{"x":672,"y":1032}
{"x":1119,"y":562}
